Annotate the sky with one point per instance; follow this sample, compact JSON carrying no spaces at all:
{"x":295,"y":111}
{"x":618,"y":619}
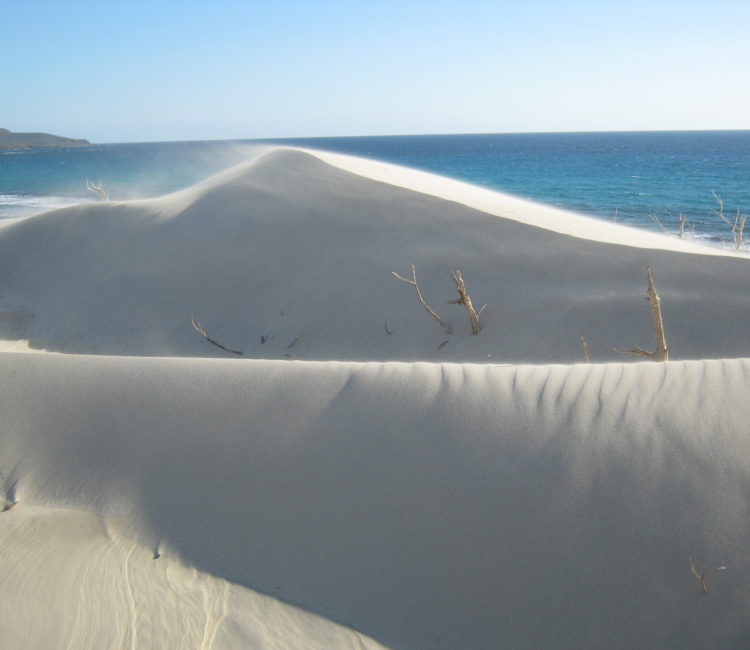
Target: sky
{"x":164,"y":70}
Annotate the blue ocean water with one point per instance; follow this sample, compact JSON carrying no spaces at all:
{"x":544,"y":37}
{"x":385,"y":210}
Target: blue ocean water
{"x":630,"y":177}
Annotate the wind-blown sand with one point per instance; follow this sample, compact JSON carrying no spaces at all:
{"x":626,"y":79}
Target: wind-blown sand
{"x":426,"y":494}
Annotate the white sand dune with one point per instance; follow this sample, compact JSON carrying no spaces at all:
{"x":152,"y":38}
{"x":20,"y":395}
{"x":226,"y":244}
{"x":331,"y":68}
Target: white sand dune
{"x":425,"y":495}
{"x":290,"y":245}
{"x":71,"y":579}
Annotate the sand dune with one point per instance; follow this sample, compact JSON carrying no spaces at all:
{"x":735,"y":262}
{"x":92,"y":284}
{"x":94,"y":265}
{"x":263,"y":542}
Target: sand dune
{"x":425,"y":495}
{"x":543,"y":506}
{"x":72,"y":579}
{"x":290,"y":244}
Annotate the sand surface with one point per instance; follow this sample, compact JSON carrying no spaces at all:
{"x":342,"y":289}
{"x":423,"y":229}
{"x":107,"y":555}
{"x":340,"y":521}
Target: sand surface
{"x":426,"y":489}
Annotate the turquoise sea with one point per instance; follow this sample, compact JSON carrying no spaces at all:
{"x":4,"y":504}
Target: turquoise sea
{"x":630,"y":177}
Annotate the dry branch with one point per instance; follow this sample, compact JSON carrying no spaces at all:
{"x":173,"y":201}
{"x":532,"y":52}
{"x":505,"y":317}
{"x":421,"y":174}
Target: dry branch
{"x":662,"y":351}
{"x":702,"y":576}
{"x":585,"y":347}
{"x":465,"y":300}
{"x":659,"y":223}
{"x":296,"y":340}
{"x":9,"y":506}
{"x":198,"y":328}
{"x":98,"y":189}
{"x":413,"y":282}
{"x":737,"y":227}
{"x":680,"y":229}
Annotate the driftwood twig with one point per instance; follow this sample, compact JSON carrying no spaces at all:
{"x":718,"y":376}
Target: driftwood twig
{"x":662,"y":350}
{"x":413,"y":282}
{"x":296,"y":340}
{"x":465,"y":300}
{"x":98,"y":189}
{"x":702,"y":576}
{"x":680,"y":228}
{"x":198,"y":328}
{"x":585,"y":346}
{"x":737,"y":227}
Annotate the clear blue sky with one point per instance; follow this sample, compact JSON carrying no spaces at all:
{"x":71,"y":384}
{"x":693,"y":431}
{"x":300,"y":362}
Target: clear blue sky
{"x":221,"y":69}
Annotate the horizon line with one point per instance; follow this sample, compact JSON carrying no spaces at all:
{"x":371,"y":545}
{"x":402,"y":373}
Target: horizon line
{"x":426,"y":135}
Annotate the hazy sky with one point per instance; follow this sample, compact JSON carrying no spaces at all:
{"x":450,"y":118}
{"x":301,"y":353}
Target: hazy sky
{"x":223,"y":69}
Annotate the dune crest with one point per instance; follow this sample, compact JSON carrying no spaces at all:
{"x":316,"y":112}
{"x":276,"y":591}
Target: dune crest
{"x":541,"y":505}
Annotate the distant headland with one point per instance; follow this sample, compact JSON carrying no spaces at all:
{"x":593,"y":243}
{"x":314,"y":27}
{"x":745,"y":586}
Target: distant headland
{"x":10,"y":140}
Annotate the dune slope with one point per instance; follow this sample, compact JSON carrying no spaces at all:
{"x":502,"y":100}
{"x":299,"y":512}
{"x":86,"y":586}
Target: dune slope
{"x":426,"y":505}
{"x":291,"y":246}
{"x":72,"y":579}
{"x":405,"y":486}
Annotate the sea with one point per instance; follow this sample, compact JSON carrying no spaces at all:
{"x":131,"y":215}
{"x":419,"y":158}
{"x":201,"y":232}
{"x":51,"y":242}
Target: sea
{"x":644,"y":179}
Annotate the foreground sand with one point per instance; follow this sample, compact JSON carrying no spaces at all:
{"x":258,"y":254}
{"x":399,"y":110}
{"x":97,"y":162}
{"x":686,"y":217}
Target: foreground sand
{"x":426,"y":494}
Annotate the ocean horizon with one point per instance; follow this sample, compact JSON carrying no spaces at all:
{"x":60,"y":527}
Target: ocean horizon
{"x":644,"y":179}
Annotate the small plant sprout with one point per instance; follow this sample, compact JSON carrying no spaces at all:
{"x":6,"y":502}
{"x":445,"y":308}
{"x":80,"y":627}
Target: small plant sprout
{"x":428,"y":309}
{"x":662,"y":351}
{"x":702,"y":576}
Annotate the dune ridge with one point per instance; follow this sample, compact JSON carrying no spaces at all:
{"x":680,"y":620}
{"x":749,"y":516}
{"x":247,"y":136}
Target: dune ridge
{"x":547,"y":506}
{"x":508,"y":206}
{"x":486,"y":492}
{"x":290,"y":245}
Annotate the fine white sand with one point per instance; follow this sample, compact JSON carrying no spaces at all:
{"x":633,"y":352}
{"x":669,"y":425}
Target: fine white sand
{"x":425,"y":494}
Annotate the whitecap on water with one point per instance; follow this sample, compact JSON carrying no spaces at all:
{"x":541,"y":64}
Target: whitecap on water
{"x":23,"y":205}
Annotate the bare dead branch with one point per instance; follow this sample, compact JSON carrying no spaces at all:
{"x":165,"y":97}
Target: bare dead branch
{"x":738,"y":237}
{"x":680,"y":228}
{"x":444,"y":343}
{"x":198,"y":328}
{"x":659,"y":223}
{"x":702,"y":576}
{"x":387,"y":331}
{"x":585,"y":346}
{"x":465,"y":300}
{"x":98,"y":189}
{"x":662,"y":351}
{"x":413,"y":282}
{"x":638,"y":351}
{"x":738,"y":226}
{"x":296,"y":340}
{"x":9,"y":506}
{"x":720,"y":211}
